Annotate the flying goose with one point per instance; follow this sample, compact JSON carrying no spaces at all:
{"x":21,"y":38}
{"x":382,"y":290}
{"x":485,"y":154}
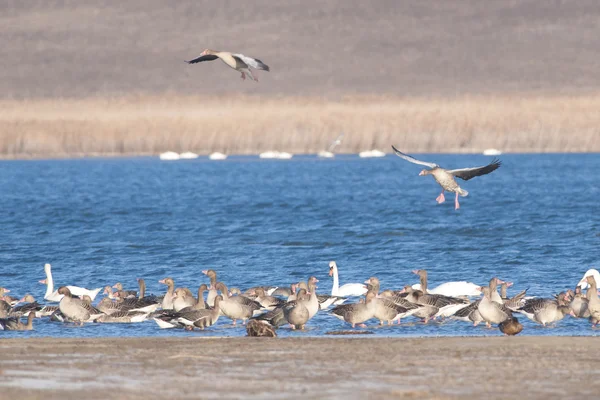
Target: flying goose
{"x":239,"y":62}
{"x":445,"y":177}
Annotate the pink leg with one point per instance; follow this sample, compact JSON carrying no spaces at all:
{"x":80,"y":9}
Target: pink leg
{"x":440,"y":199}
{"x":456,"y":205}
{"x":234,"y":321}
{"x":362,"y":325}
{"x":243,"y":76}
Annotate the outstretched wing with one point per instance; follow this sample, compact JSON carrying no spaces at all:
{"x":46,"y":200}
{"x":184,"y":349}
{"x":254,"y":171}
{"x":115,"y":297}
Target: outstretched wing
{"x":468,"y":173}
{"x":208,"y":57}
{"x":252,"y":62}
{"x":413,"y":160}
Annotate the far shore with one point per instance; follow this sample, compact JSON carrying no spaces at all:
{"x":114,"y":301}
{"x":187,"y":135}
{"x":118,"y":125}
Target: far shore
{"x":148,"y":125}
{"x":341,"y":367}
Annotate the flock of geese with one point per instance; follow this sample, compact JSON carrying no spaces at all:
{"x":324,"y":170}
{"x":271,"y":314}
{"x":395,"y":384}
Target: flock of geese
{"x":266,"y":308}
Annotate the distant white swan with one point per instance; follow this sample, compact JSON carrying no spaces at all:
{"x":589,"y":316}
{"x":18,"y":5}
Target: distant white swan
{"x":590,"y":272}
{"x":329,"y":152}
{"x":371,"y":154}
{"x":349,"y":289}
{"x":188,"y":155}
{"x":453,"y":289}
{"x":492,"y":152}
{"x":52,"y":295}
{"x":169,"y":156}
{"x":282,"y":155}
{"x":325,"y":154}
{"x":217,"y":156}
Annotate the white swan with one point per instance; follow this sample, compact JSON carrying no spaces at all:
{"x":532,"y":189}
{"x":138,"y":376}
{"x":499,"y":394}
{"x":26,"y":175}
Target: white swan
{"x":453,"y":289}
{"x":169,"y":156}
{"x":590,"y":272}
{"x":217,"y":156}
{"x":52,"y":295}
{"x":349,"y":289}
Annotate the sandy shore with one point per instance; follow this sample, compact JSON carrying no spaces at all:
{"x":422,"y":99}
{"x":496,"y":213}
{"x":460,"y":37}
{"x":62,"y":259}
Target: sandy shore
{"x":340,"y":367}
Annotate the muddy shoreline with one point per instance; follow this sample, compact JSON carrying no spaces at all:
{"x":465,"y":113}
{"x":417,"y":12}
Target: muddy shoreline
{"x":333,"y":367}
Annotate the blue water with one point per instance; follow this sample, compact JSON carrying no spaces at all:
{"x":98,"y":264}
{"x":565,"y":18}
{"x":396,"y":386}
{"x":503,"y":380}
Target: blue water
{"x":535,"y":221}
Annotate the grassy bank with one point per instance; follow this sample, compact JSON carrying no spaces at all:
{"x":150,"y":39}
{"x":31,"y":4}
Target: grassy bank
{"x":144,"y":125}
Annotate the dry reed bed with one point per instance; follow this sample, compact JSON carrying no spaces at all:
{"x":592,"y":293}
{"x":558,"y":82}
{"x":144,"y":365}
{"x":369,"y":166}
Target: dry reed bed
{"x":139,"y":125}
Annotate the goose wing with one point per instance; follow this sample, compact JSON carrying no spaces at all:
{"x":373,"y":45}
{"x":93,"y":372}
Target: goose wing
{"x":468,"y":173}
{"x":252,"y":62}
{"x":413,"y":160}
{"x":208,"y":57}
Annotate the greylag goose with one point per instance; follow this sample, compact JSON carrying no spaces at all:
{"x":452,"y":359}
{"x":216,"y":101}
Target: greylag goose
{"x":347,"y":290}
{"x":267,"y":302}
{"x":386,"y":309}
{"x":10,"y":300}
{"x":579,"y":304}
{"x":296,"y":313}
{"x":239,"y":62}
{"x":23,"y":310}
{"x":15,"y":324}
{"x":469,"y":313}
{"x":313,"y":304}
{"x":257,"y":329}
{"x":445,"y":177}
{"x":511,"y":327}
{"x":124,"y":293}
{"x":52,"y":295}
{"x":325,"y":300}
{"x":593,"y":300}
{"x":546,"y":311}
{"x":284,"y":291}
{"x":276,"y":317}
{"x":447,"y":305}
{"x":491,"y":311}
{"x":451,"y":289}
{"x":212,"y":292}
{"x":122,"y":317}
{"x":5,"y":308}
{"x":356,"y":313}
{"x":236,"y":307}
{"x":76,"y":310}
{"x":269,"y":291}
{"x":183,"y":298}
{"x":167,"y":303}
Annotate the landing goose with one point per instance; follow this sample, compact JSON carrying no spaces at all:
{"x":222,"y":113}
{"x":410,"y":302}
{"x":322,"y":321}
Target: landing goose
{"x":15,"y":324}
{"x":445,"y":177}
{"x":349,"y":289}
{"x":76,"y":310}
{"x":52,"y":295}
{"x":239,"y":62}
{"x":546,"y":311}
{"x":357,"y":313}
{"x":236,"y":307}
{"x":491,"y":311}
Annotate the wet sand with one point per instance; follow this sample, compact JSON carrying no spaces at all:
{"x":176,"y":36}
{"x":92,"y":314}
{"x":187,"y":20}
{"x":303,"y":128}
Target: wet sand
{"x":332,"y":367}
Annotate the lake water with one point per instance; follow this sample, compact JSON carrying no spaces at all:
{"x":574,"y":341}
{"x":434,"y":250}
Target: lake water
{"x":535,"y":221}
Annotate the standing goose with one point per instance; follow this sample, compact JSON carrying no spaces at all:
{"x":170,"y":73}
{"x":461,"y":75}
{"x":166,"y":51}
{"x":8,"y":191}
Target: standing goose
{"x":236,"y":307}
{"x":296,"y":313}
{"x":124,"y":293}
{"x":183,"y":298}
{"x":357,"y":313}
{"x":268,"y":302}
{"x":447,"y":305}
{"x":167,"y":303}
{"x":52,"y":295}
{"x":386,"y":309}
{"x":276,"y":317}
{"x":579,"y":304}
{"x":471,"y":312}
{"x":546,"y":311}
{"x":349,"y":289}
{"x":76,"y":310}
{"x":212,"y":291}
{"x":593,"y":300}
{"x":445,"y":177}
{"x":239,"y":62}
{"x":515,"y":302}
{"x":491,"y":311}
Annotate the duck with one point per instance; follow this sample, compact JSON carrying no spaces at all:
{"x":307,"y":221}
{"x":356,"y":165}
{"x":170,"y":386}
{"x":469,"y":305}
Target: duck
{"x":257,"y":329}
{"x":446,"y":177}
{"x":347,"y":290}
{"x":510,"y":327}
{"x":491,"y":311}
{"x":236,"y":307}
{"x":15,"y":324}
{"x":546,"y":311}
{"x":76,"y":310}
{"x":356,"y":313}
{"x":451,"y":289}
{"x":54,"y":296}
{"x":237,"y":61}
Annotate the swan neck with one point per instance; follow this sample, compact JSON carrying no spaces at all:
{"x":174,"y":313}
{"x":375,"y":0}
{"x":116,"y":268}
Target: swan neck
{"x":49,"y":282}
{"x":336,"y":282}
